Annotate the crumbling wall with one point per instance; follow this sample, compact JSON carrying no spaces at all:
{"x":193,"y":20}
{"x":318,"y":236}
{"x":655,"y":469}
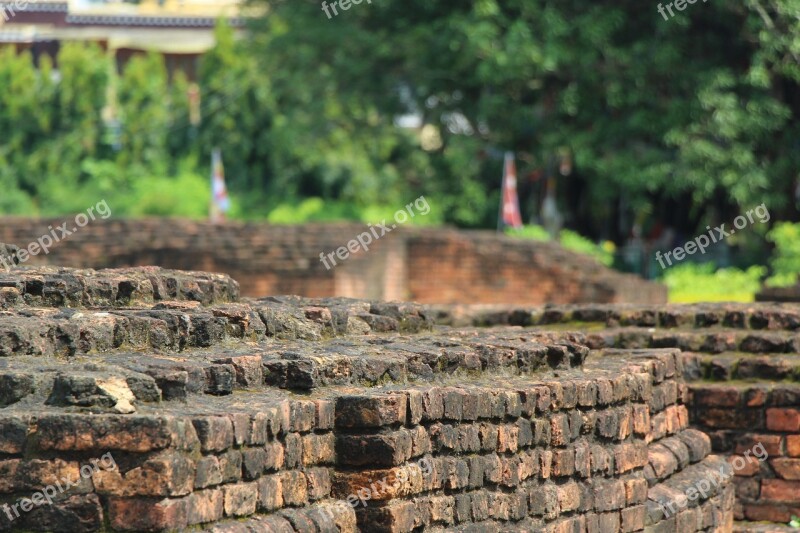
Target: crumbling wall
{"x":167,"y":403}
{"x":426,"y":265}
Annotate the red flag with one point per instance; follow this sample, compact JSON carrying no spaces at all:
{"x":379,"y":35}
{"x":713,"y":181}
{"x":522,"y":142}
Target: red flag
{"x":509,"y":209}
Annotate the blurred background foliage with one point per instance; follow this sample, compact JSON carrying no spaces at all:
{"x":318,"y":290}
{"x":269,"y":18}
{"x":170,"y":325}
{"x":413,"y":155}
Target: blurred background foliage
{"x":684,"y":122}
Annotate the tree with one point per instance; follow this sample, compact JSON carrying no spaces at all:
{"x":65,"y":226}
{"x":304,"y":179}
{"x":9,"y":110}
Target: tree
{"x":698,"y":109}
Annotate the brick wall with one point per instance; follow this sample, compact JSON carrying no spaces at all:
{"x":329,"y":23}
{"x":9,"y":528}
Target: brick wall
{"x":742,"y":365}
{"x":322,"y":415}
{"x":425,"y":265}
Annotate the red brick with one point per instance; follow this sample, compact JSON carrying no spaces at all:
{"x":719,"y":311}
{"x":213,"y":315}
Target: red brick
{"x":270,"y":493}
{"x":787,"y":469}
{"x":625,"y":424}
{"x":744,"y":466}
{"x":792,"y":445}
{"x":767,"y":512}
{"x":771,"y":443}
{"x":726,"y":418}
{"x":569,"y":497}
{"x":687,"y":519}
{"x":626,"y":458}
{"x":716,"y":396}
{"x":641,"y":419}
{"x":609,"y":496}
{"x":147,"y":514}
{"x":635,"y":491}
{"x":662,"y":460}
{"x":169,"y":474}
{"x":783,"y":419}
{"x":204,"y":506}
{"x":130,"y":433}
{"x":779,"y":490}
{"x":563,"y":462}
{"x":682,"y":415}
{"x":559,"y":429}
{"x":370,"y":411}
{"x":240,"y":499}
{"x":8,"y":474}
{"x":633,"y":518}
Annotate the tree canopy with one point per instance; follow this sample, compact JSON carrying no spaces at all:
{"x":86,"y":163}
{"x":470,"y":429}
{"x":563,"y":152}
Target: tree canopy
{"x":687,"y":120}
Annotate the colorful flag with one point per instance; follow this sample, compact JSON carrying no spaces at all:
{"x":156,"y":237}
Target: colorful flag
{"x":509,"y":208}
{"x":219,"y":193}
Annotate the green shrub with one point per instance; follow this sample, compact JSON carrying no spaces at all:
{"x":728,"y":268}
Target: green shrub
{"x":693,"y":282}
{"x":533,"y":232}
{"x":571,"y":240}
{"x":187,"y":195}
{"x":785,"y":261}
{"x":603,"y":252}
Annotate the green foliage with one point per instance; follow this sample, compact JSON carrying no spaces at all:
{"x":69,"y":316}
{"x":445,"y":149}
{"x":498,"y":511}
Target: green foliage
{"x":571,"y":240}
{"x":186,"y":195}
{"x":694,"y":108}
{"x":319,"y":210}
{"x":702,"y":282}
{"x":785,"y":262}
{"x":532,"y":231}
{"x":311,"y":210}
{"x":604,"y":252}
{"x":700,"y":108}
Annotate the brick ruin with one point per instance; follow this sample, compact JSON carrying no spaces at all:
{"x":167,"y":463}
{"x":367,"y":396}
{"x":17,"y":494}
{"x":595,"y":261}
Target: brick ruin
{"x":741,"y":368}
{"x":220,"y":413}
{"x":426,"y":265}
{"x":232,"y":414}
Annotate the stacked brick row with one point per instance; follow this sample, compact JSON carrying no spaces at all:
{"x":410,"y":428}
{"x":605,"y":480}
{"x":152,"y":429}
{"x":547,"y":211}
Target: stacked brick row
{"x":742,"y":363}
{"x":575,"y":454}
{"x":287,"y":414}
{"x":167,"y":473}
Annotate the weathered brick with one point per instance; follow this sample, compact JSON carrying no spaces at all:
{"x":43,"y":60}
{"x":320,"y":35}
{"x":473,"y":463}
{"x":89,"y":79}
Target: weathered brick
{"x":207,"y":472}
{"x":609,"y":496}
{"x":376,"y":450}
{"x":783,"y":419}
{"x":780,"y":490}
{"x":788,"y":469}
{"x":325,"y":414}
{"x":633,"y":518}
{"x":240,"y":499}
{"x":319,"y":449}
{"x":295,"y":488}
{"x":302,"y":416}
{"x":270,"y":493}
{"x":205,"y":506}
{"x":103,"y":433}
{"x":569,"y":497}
{"x":13,"y":433}
{"x":559,"y":429}
{"x":369,"y":411}
{"x":132,"y":514}
{"x":215,"y":433}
